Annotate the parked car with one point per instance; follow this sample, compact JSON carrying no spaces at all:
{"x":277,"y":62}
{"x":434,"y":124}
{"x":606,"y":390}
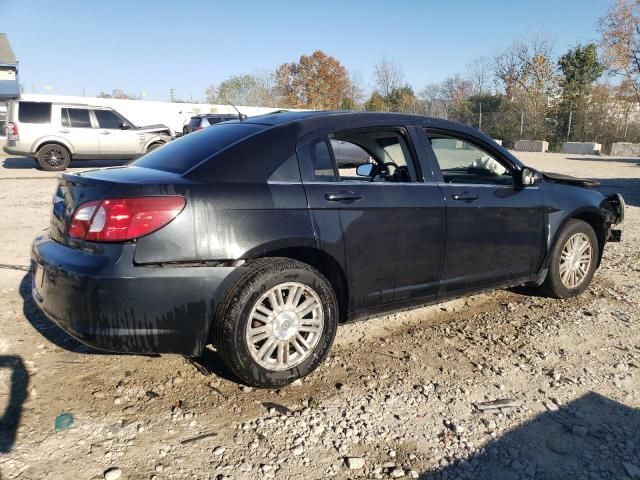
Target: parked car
{"x":56,"y":133}
{"x":251,"y":237}
{"x":198,"y":122}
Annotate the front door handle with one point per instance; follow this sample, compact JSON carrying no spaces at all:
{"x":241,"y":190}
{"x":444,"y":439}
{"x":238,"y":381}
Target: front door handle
{"x":106,"y":133}
{"x":344,"y":196}
{"x":464,"y":197}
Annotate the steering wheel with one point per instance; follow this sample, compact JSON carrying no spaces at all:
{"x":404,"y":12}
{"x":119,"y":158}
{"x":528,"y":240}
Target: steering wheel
{"x":381,"y":169}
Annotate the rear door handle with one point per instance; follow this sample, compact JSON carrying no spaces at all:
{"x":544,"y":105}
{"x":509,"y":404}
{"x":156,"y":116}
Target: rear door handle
{"x":105,"y":133}
{"x":344,"y":196}
{"x":464,"y":197}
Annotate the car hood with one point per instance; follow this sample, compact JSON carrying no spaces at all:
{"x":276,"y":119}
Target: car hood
{"x":154,"y":128}
{"x":569,"y":180}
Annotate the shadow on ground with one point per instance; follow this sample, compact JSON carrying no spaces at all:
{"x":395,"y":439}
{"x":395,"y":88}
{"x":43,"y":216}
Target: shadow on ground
{"x":17,"y":393}
{"x":31,"y":164}
{"x":628,"y":187}
{"x":595,"y":158}
{"x":592,"y":437}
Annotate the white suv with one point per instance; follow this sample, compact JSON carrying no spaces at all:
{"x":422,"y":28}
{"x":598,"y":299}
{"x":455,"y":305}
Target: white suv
{"x":54,"y":133}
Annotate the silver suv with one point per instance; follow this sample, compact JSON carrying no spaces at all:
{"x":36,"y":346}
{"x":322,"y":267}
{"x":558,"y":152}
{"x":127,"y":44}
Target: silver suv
{"x":54,"y":133}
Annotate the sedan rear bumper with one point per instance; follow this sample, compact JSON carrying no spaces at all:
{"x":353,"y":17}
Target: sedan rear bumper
{"x":108,"y":303}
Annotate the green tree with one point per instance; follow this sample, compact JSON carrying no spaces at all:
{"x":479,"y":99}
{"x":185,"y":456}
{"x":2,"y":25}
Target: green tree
{"x":402,"y":99}
{"x":376,"y":103}
{"x":579,"y":68}
{"x":347,"y":104}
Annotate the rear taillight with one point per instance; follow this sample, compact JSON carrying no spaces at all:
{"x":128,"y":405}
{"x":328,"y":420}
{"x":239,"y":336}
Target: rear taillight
{"x":121,"y":219}
{"x":12,"y":131}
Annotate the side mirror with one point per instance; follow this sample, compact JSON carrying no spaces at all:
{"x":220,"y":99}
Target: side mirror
{"x":125,"y":126}
{"x":530,"y":177}
{"x":364,"y":170}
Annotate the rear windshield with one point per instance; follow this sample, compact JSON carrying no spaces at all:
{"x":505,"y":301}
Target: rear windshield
{"x":34,"y":112}
{"x":180,"y":155}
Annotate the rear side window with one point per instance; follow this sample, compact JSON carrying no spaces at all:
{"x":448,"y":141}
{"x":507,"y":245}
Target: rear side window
{"x":76,"y":118}
{"x":316,"y":163}
{"x":185,"y":153}
{"x":34,"y":112}
{"x":213,"y":120}
{"x":194,"y":122}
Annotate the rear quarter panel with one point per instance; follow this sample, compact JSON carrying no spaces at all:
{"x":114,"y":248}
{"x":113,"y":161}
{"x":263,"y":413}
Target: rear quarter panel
{"x":230,"y":221}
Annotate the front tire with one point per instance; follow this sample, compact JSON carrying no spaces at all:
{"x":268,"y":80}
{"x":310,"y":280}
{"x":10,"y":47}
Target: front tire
{"x":573,"y":261}
{"x":53,"y":157}
{"x":277,"y":323}
{"x":154,"y":146}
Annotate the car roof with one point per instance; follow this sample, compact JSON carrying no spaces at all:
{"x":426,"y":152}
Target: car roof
{"x":307,"y":117}
{"x":200,"y":115}
{"x":70,"y":104}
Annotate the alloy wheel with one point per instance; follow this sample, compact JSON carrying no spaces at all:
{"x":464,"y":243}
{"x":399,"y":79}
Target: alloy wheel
{"x":285,"y":326}
{"x":575,"y":260}
{"x":54,"y":156}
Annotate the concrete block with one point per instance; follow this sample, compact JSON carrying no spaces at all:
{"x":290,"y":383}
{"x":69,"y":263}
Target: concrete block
{"x":585,"y":148}
{"x":625,"y":149}
{"x":531,"y":146}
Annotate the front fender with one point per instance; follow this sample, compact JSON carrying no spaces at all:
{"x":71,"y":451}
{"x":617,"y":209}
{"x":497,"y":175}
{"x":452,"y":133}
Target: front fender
{"x":155,"y":139}
{"x":52,"y":139}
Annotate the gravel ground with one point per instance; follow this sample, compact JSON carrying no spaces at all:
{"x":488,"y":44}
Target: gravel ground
{"x":403,"y":396}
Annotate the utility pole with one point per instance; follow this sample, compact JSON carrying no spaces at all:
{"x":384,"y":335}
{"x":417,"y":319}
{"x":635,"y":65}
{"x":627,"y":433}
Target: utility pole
{"x":480,"y":117}
{"x":626,"y":124}
{"x":172,"y":94}
{"x":521,"y":123}
{"x":569,"y":127}
{"x":83,"y":94}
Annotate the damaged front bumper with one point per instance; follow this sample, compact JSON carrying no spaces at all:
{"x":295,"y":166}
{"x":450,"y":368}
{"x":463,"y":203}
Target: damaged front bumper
{"x":613,"y":207}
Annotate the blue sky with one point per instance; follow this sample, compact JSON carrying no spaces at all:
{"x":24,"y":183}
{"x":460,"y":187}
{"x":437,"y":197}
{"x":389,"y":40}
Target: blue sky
{"x":152,"y":46}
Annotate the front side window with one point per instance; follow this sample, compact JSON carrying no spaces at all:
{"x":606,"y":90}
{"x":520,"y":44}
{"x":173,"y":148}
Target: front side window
{"x":75,"y":118}
{"x":462,"y":162}
{"x":386,"y":151}
{"x":34,"y":112}
{"x":108,"y":119}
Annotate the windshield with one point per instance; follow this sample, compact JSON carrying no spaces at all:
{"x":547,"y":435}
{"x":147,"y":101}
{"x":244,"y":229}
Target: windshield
{"x":181,"y":155}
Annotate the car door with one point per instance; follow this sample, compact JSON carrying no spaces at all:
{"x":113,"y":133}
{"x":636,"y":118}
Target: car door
{"x":118,"y":139}
{"x":388,"y":232}
{"x":77,"y":129}
{"x":495,"y":228}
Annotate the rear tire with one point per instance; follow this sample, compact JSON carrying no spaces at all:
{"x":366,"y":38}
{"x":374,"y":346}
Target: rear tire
{"x":277,"y":323}
{"x":573,"y":261}
{"x":53,"y":157}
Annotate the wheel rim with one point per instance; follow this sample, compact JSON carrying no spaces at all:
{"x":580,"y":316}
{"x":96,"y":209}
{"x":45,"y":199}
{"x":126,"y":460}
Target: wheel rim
{"x":285,"y":326}
{"x":575,"y":260}
{"x":54,"y":156}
